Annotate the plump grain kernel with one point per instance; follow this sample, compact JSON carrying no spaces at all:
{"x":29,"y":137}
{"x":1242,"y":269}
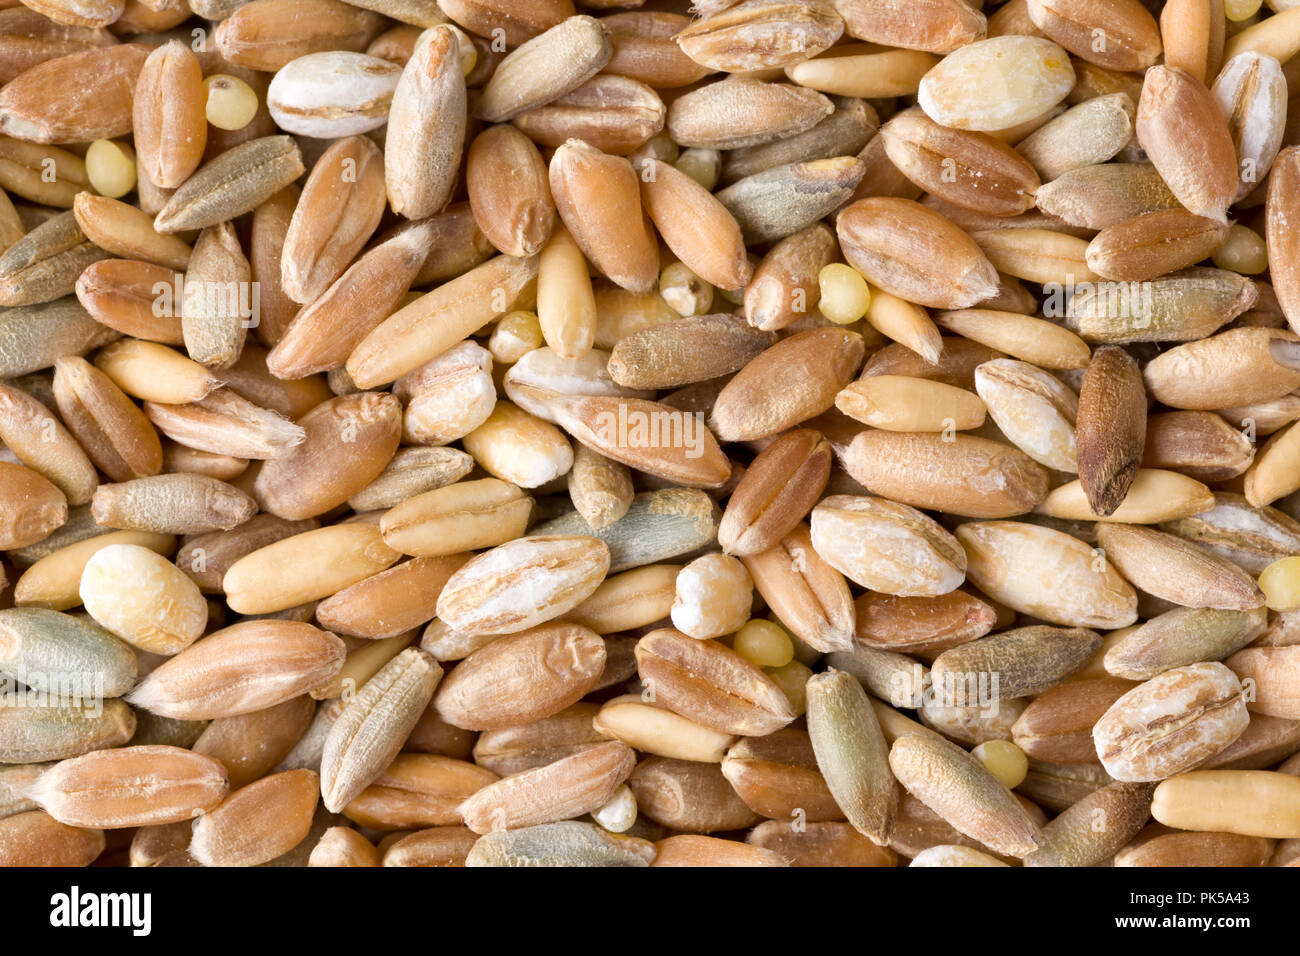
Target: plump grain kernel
{"x":350,"y":440}
{"x":169,"y":128}
{"x":685,"y":291}
{"x":435,"y":846}
{"x":34,"y":838}
{"x":306,"y":567}
{"x":515,"y":446}
{"x":1250,"y":802}
{"x":340,"y":846}
{"x":566,"y":307}
{"x":485,"y":595}
{"x":1242,"y":250}
{"x":143,"y":598}
{"x":523,"y":677}
{"x":655,"y":729}
{"x":695,"y":226}
{"x":259,"y":822}
{"x":710,"y":684}
{"x":1186,"y":575}
{"x":1171,"y":723}
{"x":818,"y":363}
{"x":449,"y":397}
{"x":417,"y":789}
{"x":460,"y":517}
{"x":240,"y":669}
{"x":957,"y":787}
{"x":763,"y":643}
{"x":845,"y":295}
{"x":1280,"y":582}
{"x":228,"y":102}
{"x":688,"y":797}
{"x":921,"y":624}
{"x":1180,"y":127}
{"x":629,"y":600}
{"x":947,"y":269}
{"x":1156,"y":495}
{"x":685,"y":452}
{"x":776,"y":492}
{"x":784,"y":285}
{"x":777,"y":777}
{"x":968,"y":89}
{"x":597,"y":197}
{"x":34,"y":507}
{"x":1010,"y":562}
{"x":1134,"y":39}
{"x":1004,"y":760}
{"x":957,"y":476}
{"x":53,"y":578}
{"x":902,"y":404}
{"x":807,"y":594}
{"x":45,"y":104}
{"x":110,"y":167}
{"x":846,"y":527}
{"x":37,"y":644}
{"x":1181,"y":636}
{"x":713,"y":597}
{"x":341,"y":203}
{"x":566,"y":788}
{"x":514,"y":336}
{"x":162,"y":785}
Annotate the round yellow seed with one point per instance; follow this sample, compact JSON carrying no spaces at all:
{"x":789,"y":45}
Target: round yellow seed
{"x":702,"y":165}
{"x":844,"y":293}
{"x":516,"y":334}
{"x":764,"y":643}
{"x":1238,"y":10}
{"x":684,"y":291}
{"x":231,"y":103}
{"x":791,"y":679}
{"x":1004,"y":760}
{"x":1243,"y":251}
{"x":1280,"y":582}
{"x":110,"y":167}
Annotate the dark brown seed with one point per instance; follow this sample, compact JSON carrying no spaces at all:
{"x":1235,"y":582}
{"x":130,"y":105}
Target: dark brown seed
{"x":1110,"y":432}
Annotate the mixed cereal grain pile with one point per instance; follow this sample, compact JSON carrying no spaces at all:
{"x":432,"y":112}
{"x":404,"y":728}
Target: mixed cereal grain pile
{"x":779,"y":432}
